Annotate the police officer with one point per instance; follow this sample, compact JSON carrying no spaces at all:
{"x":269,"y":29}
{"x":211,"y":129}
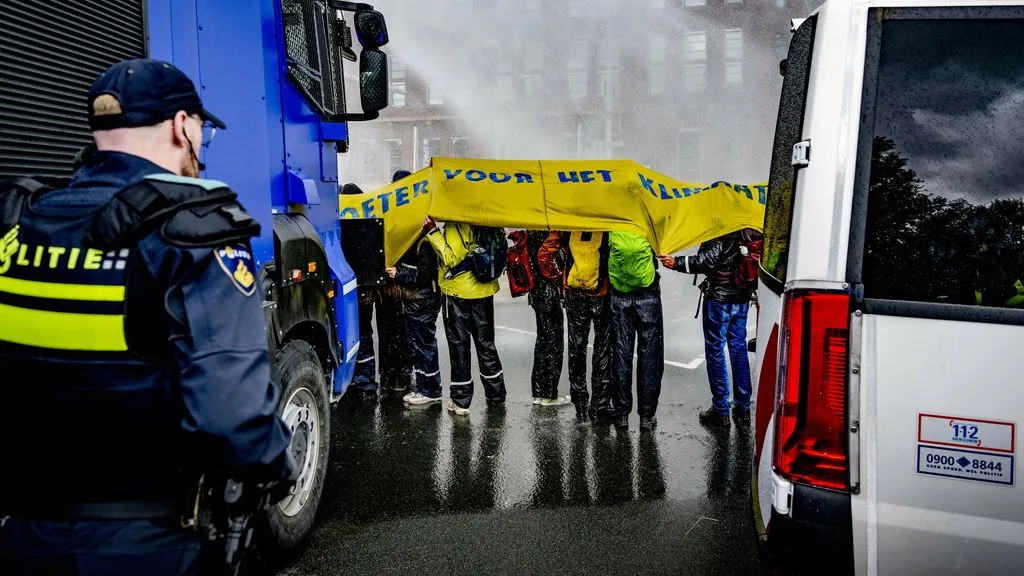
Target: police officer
{"x":132,"y":350}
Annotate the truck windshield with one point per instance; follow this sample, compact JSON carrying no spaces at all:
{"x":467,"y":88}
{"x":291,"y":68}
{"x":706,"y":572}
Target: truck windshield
{"x":945,"y":214}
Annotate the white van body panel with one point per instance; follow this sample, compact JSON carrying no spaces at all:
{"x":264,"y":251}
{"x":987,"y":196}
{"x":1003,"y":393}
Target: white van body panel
{"x":911,"y":523}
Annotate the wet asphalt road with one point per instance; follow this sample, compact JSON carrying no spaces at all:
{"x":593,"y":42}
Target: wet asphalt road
{"x":527,"y":490}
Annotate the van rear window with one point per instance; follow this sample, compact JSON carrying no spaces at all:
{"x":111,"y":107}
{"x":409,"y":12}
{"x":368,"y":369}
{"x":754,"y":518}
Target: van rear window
{"x":945,"y":214}
{"x":778,"y":217}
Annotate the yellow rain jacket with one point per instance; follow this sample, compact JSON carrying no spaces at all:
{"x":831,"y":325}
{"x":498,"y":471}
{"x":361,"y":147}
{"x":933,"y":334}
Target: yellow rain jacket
{"x":452,"y":245}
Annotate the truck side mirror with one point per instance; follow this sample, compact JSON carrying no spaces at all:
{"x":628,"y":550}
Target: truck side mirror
{"x":371,"y":29}
{"x":373,"y":80}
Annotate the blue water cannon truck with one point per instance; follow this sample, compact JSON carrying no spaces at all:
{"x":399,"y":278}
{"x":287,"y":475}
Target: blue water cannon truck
{"x":274,"y":71}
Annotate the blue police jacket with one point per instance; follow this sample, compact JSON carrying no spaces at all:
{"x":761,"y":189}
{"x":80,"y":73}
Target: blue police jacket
{"x":125,"y":374}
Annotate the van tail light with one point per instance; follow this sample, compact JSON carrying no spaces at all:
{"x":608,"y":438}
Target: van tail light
{"x":811,"y":443}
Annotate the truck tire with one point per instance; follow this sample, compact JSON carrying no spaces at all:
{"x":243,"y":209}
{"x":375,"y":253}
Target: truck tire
{"x":305,"y":408}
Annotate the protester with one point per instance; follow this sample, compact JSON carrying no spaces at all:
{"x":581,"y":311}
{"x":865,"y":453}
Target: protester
{"x":545,"y":299}
{"x":468,"y":314}
{"x":416,"y":275}
{"x":579,"y":262}
{"x":727,"y":294}
{"x":636,"y":320}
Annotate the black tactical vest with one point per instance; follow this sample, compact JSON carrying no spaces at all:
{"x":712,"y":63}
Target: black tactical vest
{"x":88,"y":407}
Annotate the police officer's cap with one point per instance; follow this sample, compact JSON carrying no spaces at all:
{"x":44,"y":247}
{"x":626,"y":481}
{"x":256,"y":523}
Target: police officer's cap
{"x":141,"y":92}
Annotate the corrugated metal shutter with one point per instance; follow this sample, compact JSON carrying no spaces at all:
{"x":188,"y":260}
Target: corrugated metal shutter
{"x":50,"y":53}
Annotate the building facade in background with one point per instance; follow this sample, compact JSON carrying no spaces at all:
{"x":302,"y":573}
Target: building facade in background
{"x":689,"y":88}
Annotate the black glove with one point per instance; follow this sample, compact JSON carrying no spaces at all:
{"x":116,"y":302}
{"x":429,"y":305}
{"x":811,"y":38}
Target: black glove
{"x":281,"y":489}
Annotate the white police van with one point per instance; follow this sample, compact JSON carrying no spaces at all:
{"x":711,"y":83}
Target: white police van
{"x":890,"y":356}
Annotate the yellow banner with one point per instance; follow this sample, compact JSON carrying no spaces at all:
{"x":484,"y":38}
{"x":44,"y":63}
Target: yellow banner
{"x":559,"y":195}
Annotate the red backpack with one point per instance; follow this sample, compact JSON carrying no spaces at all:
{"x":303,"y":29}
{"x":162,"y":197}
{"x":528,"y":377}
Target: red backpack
{"x":751,"y":243}
{"x":518,"y":267}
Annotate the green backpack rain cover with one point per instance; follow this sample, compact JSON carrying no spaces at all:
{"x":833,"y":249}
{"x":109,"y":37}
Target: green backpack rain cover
{"x":630,"y":261}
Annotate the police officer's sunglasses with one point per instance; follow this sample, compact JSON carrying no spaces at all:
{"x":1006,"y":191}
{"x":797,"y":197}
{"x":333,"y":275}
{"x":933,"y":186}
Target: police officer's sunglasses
{"x":209,"y":131}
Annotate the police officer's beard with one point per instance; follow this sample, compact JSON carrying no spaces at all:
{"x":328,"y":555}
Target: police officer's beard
{"x":191,"y":166}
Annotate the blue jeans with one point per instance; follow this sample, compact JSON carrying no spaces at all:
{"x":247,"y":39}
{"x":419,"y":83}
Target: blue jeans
{"x":727,"y":323}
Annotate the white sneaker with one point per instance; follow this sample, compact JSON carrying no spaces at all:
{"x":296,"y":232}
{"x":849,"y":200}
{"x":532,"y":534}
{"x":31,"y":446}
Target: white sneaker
{"x":538,"y":401}
{"x":560,"y":401}
{"x":456,"y":409}
{"x":417,"y":398}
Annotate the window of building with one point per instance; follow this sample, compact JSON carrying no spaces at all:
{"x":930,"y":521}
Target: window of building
{"x":504,"y":89}
{"x":656,"y":72}
{"x":609,"y":83}
{"x":656,"y":79}
{"x":694,"y":78}
{"x":733,"y":45}
{"x":435,"y":97}
{"x":397,"y":70}
{"x":733,"y":56}
{"x":693,"y":3}
{"x":657,"y":3}
{"x":397,"y":82}
{"x":368,"y":160}
{"x":578,"y":62}
{"x":734,"y":73}
{"x":695,"y":47}
{"x":578,"y":84}
{"x":608,"y":64}
{"x":733,"y":1}
{"x":533,"y":58}
{"x":460,"y":147}
{"x":688,"y":156}
{"x":610,"y":55}
{"x":780,"y":3}
{"x":393,"y":150}
{"x":532,"y":85}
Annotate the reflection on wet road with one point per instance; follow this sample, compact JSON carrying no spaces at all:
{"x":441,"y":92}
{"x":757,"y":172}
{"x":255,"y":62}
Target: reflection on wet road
{"x":526,"y":490}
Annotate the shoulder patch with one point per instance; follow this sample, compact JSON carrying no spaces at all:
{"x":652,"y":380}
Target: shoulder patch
{"x":236,"y":261}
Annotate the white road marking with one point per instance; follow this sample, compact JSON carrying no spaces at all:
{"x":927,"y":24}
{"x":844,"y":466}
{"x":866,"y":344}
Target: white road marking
{"x":517,"y":330}
{"x":691,"y":365}
{"x":696,"y":523}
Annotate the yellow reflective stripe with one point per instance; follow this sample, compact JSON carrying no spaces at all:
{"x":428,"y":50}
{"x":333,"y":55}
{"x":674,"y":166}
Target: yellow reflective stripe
{"x":88,"y":292}
{"x":62,"y":330}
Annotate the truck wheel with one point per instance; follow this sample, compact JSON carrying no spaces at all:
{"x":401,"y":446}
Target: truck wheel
{"x":304,"y":407}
